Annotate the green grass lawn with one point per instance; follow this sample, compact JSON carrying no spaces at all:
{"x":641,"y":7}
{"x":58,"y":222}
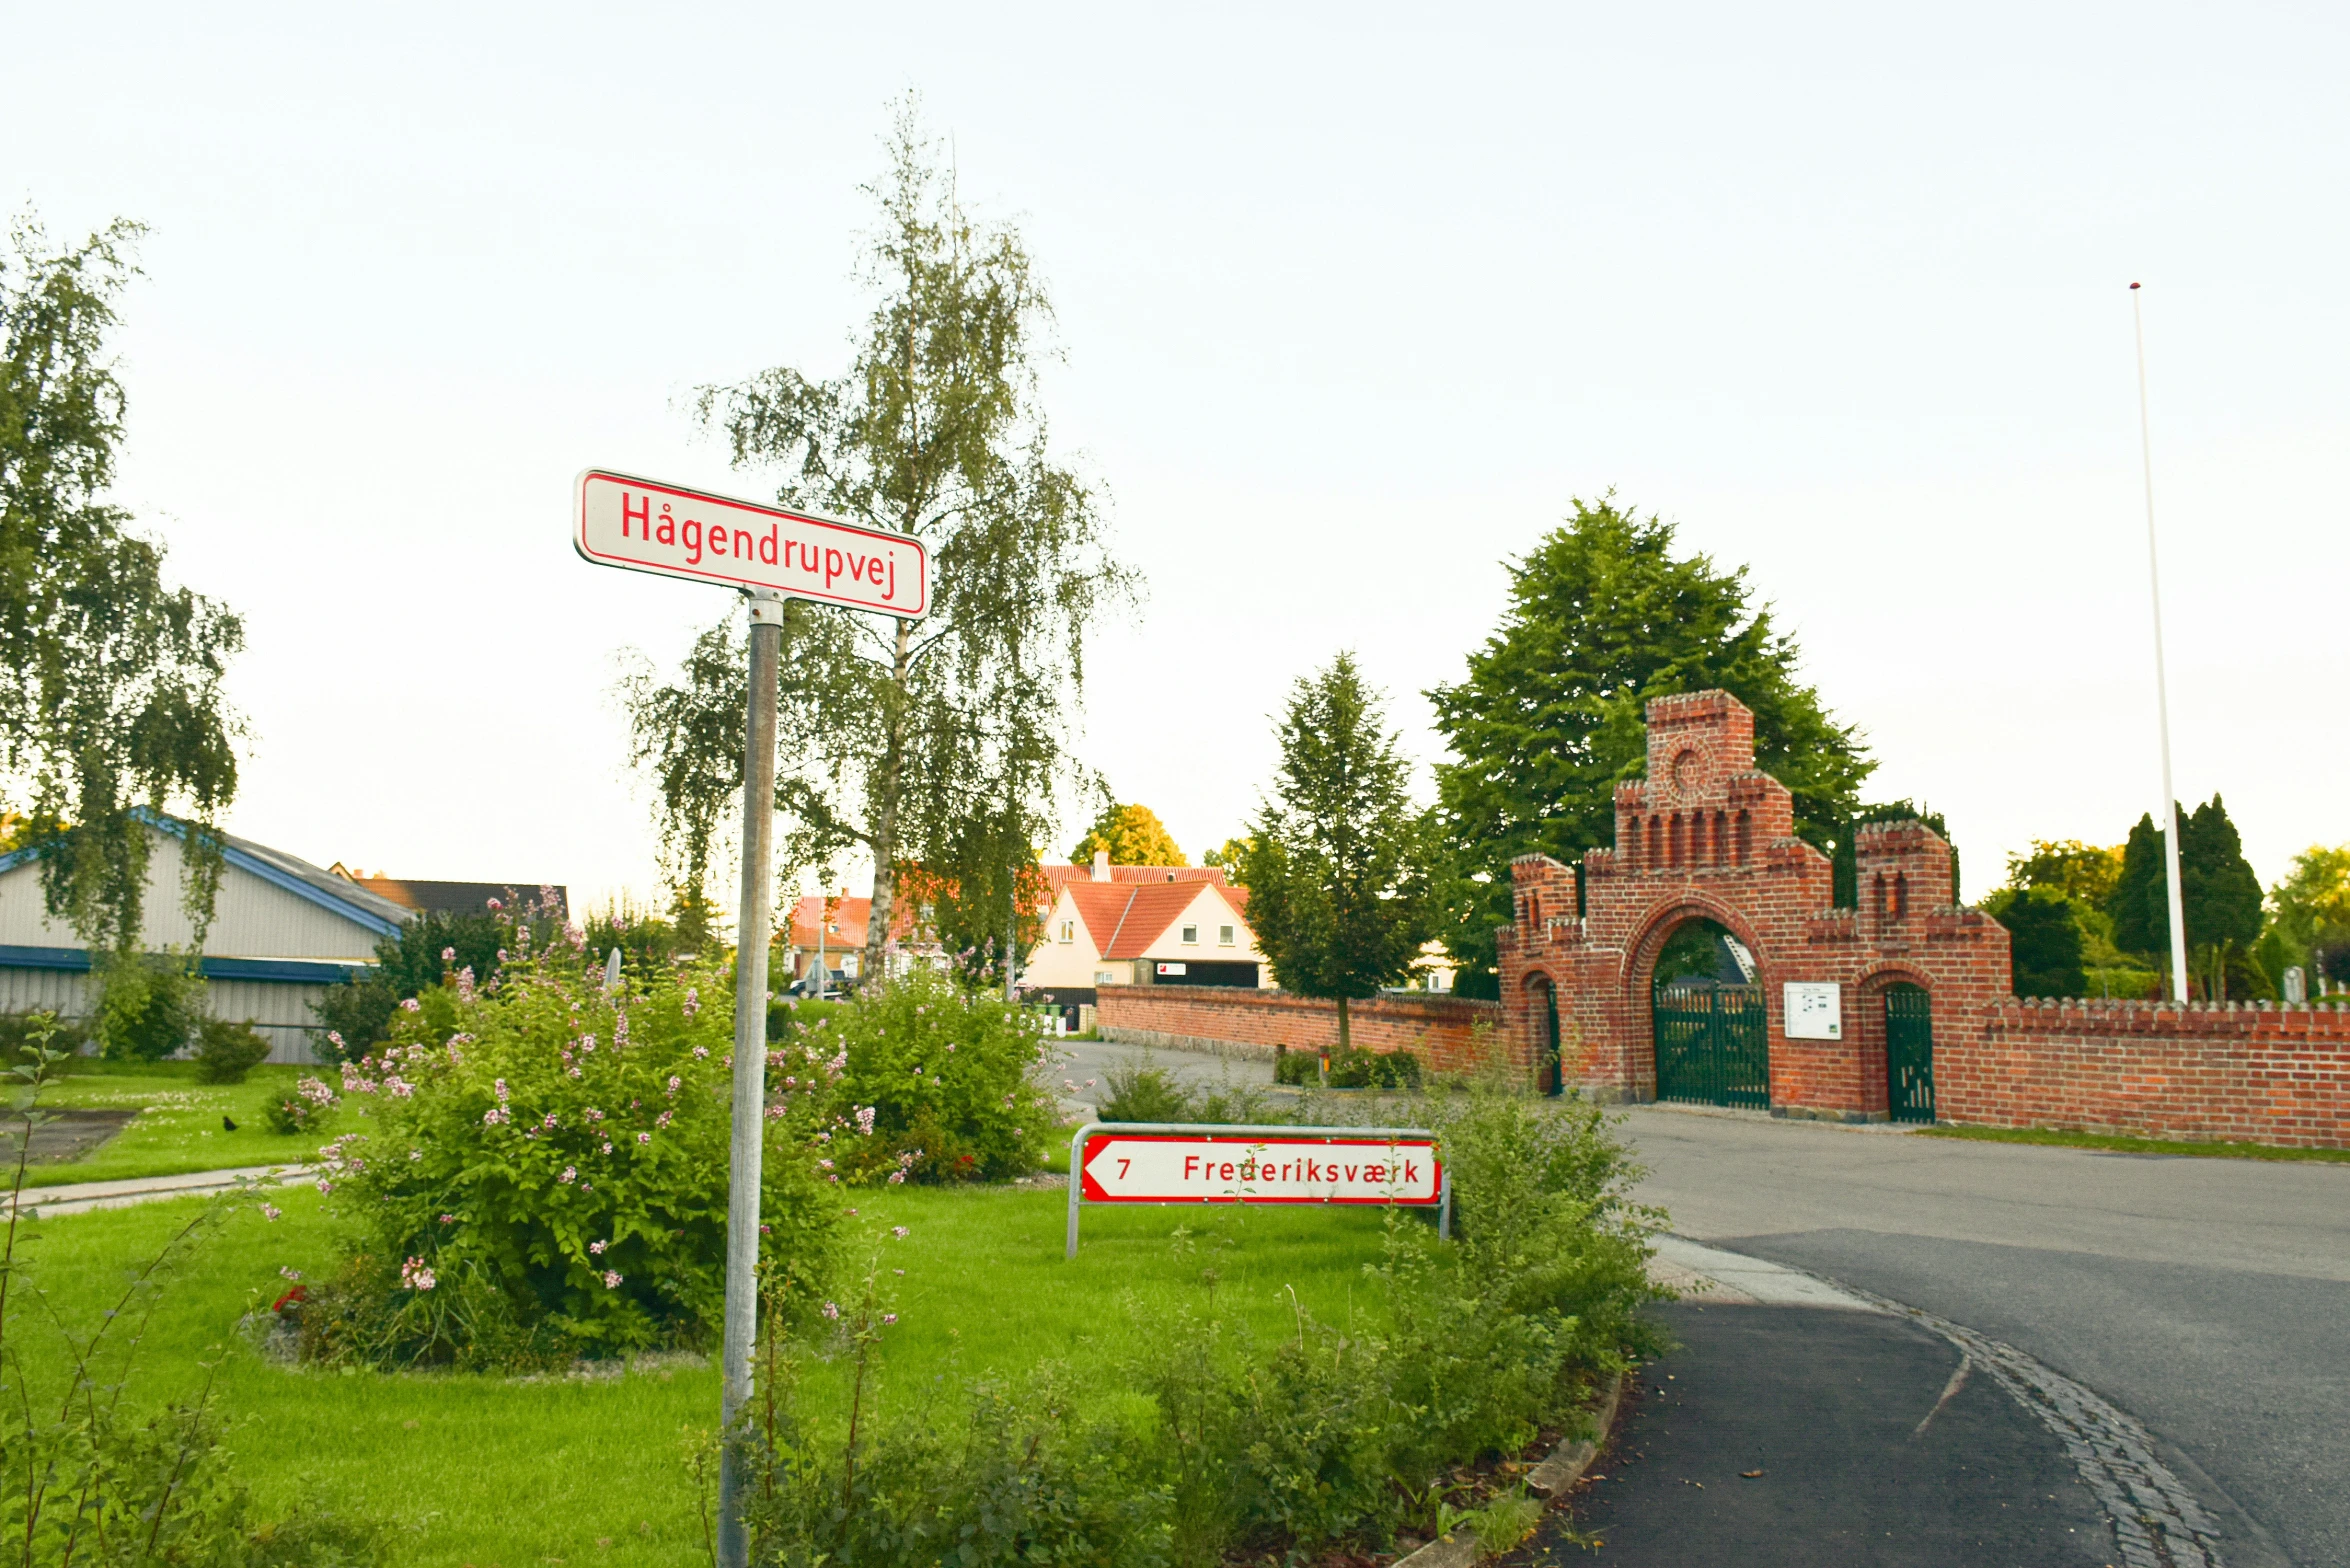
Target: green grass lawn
{"x":511,"y":1472}
{"x":2121,"y":1145}
{"x":179,"y":1123}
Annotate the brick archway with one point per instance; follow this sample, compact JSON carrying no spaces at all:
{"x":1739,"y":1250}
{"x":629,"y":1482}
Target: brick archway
{"x":1706,"y":835}
{"x":1639,"y":969}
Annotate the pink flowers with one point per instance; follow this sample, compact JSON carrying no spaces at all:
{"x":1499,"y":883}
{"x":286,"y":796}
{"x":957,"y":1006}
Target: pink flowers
{"x":611,"y":1279}
{"x":548,"y":1121}
{"x":570,"y":1175}
{"x":334,"y":1038}
{"x":832,"y":1311}
{"x":597,"y":1247}
{"x":900,"y":1232}
{"x":270,"y":1211}
{"x":411,"y":1005}
{"x":701,"y":1053}
{"x":607,"y":1147}
{"x":644,"y":1137}
{"x":415,"y":1276}
{"x":693,"y":1001}
{"x":888,"y":1318}
{"x":675,"y":1083}
{"x":662,"y":1120}
{"x":448,"y":1219}
{"x":448,"y":955}
{"x":865,"y":1121}
{"x":774,"y":1113}
{"x":496,"y":1115}
{"x":500,"y":1086}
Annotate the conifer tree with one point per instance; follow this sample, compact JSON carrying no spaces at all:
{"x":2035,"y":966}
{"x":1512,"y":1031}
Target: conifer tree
{"x":1336,"y":862}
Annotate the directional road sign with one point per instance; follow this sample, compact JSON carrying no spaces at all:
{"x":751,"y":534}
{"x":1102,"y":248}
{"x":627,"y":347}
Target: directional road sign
{"x":641,"y":525}
{"x":1176,"y":1168}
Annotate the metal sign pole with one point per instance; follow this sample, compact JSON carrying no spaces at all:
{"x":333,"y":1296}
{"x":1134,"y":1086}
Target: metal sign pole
{"x":750,"y":1071}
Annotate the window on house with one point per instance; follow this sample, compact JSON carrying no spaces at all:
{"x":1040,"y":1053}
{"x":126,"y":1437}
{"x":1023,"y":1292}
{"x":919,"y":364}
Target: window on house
{"x":1223,"y":936}
{"x":1068,"y":930}
{"x":1191,"y":936}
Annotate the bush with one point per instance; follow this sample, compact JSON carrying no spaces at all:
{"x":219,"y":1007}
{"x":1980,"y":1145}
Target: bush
{"x":545,"y":1169}
{"x":1353,"y":1069}
{"x":1140,"y":1092}
{"x":226,"y":1052}
{"x":149,"y":1006}
{"x":942,"y":1076}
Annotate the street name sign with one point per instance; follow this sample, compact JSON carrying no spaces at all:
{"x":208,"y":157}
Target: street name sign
{"x":1173,"y":1163}
{"x":642,"y":525}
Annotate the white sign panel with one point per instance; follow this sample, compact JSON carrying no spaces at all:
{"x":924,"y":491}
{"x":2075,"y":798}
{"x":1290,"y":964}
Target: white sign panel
{"x":1173,"y":1168}
{"x":1815,"y":1010}
{"x":644,"y":526}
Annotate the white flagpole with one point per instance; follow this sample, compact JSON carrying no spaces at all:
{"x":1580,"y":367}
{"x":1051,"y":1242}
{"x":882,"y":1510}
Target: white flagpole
{"x":2170,"y":805}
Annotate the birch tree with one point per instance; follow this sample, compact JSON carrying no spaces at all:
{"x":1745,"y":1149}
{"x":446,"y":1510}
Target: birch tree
{"x":895,"y":733}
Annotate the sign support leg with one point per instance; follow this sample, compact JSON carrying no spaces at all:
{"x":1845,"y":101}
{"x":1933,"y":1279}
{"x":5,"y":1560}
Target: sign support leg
{"x":750,"y":1072}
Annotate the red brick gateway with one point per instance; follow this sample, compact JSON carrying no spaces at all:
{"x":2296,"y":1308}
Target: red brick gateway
{"x":1708,"y":836}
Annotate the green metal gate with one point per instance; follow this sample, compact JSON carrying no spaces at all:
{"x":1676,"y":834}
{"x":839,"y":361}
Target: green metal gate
{"x":1713,"y":1045}
{"x":1909,"y":1053}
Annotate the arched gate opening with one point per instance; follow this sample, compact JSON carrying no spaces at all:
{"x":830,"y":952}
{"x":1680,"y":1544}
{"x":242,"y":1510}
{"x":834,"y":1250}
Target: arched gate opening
{"x":1711,"y":1025}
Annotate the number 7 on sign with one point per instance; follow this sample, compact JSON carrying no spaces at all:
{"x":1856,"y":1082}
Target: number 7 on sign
{"x":1124,"y":1166}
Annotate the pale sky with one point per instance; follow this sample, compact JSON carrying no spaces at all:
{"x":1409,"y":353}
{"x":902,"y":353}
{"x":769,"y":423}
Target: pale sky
{"x":1352,"y":300}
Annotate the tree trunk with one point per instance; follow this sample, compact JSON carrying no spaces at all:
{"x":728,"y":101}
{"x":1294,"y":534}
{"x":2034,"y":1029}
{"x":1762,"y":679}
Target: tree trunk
{"x":885,"y":816}
{"x":1345,"y":1041}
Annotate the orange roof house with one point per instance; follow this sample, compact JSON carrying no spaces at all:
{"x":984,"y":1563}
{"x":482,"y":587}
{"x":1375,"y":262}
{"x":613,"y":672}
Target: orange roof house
{"x":1143,"y":925}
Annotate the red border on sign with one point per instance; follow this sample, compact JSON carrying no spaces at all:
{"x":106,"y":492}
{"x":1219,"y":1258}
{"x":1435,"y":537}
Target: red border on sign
{"x":1094,"y":1192}
{"x":697,"y":574}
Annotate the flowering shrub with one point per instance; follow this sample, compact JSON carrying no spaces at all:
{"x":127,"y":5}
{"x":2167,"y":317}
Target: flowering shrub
{"x":549,"y":1161}
{"x":935,"y":1083}
{"x":310,"y":1103}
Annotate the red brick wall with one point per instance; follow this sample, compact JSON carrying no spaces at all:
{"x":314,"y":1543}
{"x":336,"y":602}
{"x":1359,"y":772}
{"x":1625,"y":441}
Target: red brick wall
{"x":1437,"y":1029}
{"x":2233,"y":1072}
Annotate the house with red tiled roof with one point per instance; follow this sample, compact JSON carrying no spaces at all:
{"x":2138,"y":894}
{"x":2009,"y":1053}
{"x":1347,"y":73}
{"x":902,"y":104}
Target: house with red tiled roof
{"x":1142,"y":925}
{"x":831,"y":930}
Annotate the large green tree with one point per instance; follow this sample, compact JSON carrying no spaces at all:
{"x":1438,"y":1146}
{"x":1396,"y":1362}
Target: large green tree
{"x":896,"y":734}
{"x":1603,"y":615}
{"x":112,"y":714}
{"x":2309,"y":922}
{"x":1336,"y":862}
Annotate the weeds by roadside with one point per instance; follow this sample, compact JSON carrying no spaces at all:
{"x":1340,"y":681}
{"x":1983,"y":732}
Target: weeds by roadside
{"x":96,"y":1471}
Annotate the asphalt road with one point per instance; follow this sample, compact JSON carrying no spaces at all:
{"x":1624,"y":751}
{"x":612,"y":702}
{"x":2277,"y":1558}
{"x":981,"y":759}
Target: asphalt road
{"x":2209,"y":1298}
{"x":1807,"y":1437}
